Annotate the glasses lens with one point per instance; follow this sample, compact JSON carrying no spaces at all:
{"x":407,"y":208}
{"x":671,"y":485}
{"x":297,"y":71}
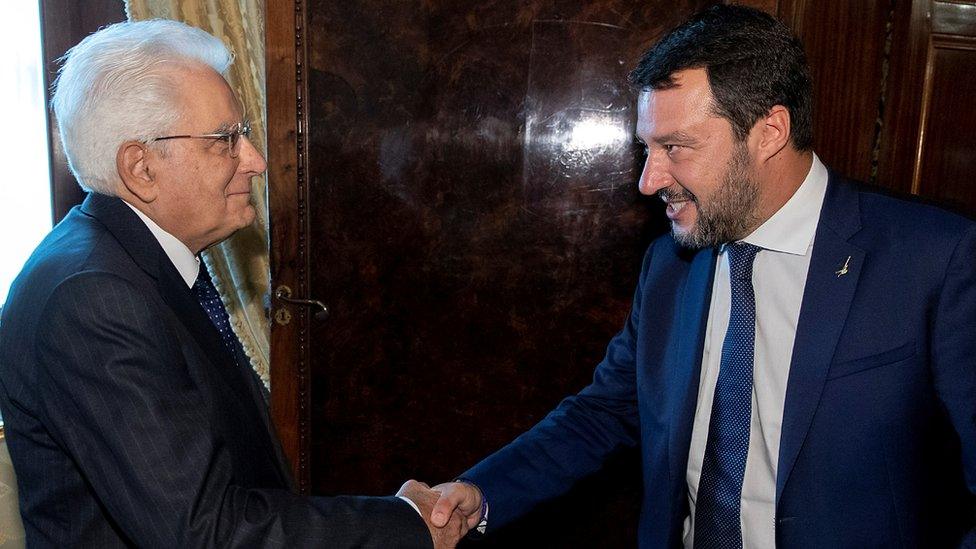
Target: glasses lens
{"x":234,"y":140}
{"x":234,"y":137}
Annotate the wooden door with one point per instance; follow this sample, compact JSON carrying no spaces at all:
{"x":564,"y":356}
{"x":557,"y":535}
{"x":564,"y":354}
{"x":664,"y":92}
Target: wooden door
{"x":455,"y":180}
{"x":929,"y":143}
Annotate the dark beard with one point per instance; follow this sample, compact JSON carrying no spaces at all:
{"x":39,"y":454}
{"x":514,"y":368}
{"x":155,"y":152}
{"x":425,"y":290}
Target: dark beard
{"x":729,"y":215}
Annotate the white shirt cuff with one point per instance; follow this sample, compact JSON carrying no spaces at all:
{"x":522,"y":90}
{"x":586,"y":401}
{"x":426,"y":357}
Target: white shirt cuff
{"x":412,"y":504}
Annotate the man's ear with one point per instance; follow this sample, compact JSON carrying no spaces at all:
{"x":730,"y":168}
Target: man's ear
{"x":774,"y":132}
{"x":132,"y":163}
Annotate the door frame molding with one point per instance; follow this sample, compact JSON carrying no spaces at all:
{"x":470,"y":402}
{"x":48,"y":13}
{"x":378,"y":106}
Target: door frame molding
{"x":287,"y":113}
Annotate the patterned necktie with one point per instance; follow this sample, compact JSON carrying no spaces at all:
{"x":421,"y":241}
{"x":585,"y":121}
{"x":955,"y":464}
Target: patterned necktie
{"x":206,"y":294}
{"x":717,"y":521}
{"x":209,"y":299}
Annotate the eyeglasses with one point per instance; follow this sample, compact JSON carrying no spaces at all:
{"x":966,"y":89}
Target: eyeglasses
{"x":232,"y":136}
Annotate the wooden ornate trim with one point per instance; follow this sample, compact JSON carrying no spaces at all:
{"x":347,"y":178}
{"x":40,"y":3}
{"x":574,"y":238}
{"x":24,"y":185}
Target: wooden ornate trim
{"x":287,"y":91}
{"x":879,"y":126}
{"x":936,"y":42}
{"x":301,"y":118}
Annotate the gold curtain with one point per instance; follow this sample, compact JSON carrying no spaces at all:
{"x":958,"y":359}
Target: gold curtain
{"x":11,"y":530}
{"x":240,"y":265}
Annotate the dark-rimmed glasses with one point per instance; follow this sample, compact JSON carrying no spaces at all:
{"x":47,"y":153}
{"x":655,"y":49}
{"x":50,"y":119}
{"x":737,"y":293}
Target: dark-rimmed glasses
{"x":232,"y":136}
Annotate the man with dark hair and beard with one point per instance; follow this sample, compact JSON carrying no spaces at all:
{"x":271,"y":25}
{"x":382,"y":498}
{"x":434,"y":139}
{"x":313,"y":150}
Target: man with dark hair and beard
{"x":799,"y":367}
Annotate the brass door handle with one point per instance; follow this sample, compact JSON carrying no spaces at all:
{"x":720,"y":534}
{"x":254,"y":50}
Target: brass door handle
{"x":284,"y":293}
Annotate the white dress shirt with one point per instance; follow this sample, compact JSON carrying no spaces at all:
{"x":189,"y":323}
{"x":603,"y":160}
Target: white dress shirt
{"x":779,"y":276}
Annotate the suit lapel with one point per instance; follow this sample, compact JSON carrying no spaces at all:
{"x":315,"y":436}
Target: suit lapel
{"x":686,"y":372}
{"x":133,"y":235}
{"x":835,"y":267}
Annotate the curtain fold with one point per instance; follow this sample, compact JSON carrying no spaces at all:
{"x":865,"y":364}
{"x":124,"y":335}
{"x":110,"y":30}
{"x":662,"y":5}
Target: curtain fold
{"x":11,"y":529}
{"x":240,"y":265}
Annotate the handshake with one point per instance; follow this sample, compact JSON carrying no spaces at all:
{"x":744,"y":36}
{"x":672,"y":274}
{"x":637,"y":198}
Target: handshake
{"x":450,"y":509}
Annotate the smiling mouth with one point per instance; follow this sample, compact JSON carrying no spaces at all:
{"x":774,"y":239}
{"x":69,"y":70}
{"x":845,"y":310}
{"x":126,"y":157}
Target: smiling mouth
{"x":675,"y":200}
{"x":676,"y":206}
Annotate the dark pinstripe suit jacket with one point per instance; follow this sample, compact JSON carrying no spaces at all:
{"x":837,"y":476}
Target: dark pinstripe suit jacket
{"x":130,"y":425}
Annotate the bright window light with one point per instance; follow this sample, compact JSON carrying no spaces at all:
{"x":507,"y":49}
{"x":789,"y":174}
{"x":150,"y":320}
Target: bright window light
{"x":25,"y":188}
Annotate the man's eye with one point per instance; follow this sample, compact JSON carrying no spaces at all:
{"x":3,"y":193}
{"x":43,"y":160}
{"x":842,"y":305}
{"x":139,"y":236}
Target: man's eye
{"x":671,"y":149}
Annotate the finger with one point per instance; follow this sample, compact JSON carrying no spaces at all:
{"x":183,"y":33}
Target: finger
{"x":470,"y":502}
{"x":463,"y":524}
{"x":448,"y":501}
{"x":413,"y":489}
{"x":472,"y":520}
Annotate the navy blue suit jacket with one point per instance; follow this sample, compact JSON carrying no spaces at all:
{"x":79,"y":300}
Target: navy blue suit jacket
{"x":128,"y":422}
{"x":878,"y":444}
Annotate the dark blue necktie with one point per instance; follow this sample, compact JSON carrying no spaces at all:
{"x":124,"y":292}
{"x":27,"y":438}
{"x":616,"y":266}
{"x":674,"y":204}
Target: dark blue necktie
{"x":717,"y":522}
{"x":209,"y":299}
{"x":206,"y":294}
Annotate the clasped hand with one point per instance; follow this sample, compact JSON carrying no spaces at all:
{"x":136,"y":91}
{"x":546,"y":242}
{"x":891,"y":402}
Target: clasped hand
{"x":450,"y":509}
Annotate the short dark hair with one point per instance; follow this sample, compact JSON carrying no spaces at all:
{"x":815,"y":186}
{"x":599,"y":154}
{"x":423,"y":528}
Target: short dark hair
{"x":753,"y":63}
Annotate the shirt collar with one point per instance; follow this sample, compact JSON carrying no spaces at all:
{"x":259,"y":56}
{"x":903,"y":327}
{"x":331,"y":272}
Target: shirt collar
{"x":792,"y":228}
{"x":182,"y":258}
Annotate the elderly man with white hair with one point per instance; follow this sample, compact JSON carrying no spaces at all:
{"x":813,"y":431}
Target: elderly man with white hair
{"x":132,"y":416}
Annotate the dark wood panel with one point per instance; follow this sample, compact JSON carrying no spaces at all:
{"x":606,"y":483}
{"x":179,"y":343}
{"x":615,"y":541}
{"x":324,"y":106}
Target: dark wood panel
{"x":769,"y":6}
{"x":845,"y":44}
{"x":64,"y":23}
{"x":475,"y":228}
{"x":924,"y":31}
{"x":947,"y":149}
{"x":898,"y":143}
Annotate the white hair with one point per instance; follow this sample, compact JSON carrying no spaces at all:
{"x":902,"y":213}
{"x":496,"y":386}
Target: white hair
{"x":118,"y":84}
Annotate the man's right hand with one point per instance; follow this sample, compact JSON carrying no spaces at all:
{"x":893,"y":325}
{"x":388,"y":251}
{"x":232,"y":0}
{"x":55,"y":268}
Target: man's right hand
{"x":457,"y":498}
{"x":453,"y":525}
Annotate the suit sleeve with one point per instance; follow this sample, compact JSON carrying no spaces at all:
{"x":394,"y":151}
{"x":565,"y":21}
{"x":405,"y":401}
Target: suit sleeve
{"x":954,"y":353}
{"x":118,"y":396}
{"x":573,"y":440}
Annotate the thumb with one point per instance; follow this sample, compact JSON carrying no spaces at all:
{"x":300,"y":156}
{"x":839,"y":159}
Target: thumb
{"x":444,"y":507}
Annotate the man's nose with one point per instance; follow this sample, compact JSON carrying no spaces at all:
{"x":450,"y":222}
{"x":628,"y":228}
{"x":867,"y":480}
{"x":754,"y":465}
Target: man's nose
{"x":252,"y":160}
{"x":655,"y":175}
